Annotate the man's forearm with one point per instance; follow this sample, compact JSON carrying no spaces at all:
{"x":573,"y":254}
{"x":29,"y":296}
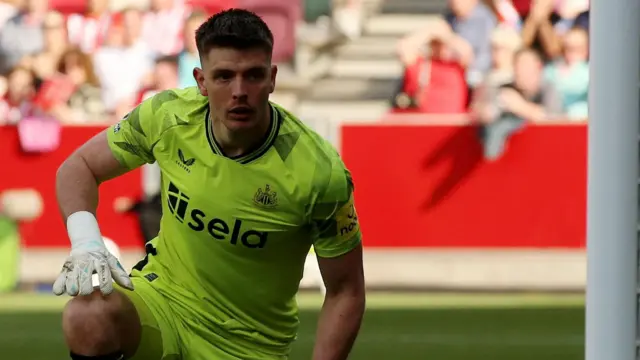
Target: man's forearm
{"x":339,"y":324}
{"x":76,"y":187}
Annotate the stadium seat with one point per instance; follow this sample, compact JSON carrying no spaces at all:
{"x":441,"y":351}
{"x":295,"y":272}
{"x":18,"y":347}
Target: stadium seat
{"x":282,"y":16}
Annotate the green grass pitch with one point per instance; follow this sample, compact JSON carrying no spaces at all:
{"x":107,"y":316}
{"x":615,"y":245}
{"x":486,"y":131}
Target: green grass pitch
{"x":396,"y":327}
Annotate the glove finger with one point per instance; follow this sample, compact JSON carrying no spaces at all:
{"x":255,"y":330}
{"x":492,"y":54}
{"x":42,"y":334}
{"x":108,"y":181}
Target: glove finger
{"x":105,"y":281}
{"x":118,"y":273}
{"x":71,"y":283}
{"x":85,"y":269}
{"x":59,"y":287}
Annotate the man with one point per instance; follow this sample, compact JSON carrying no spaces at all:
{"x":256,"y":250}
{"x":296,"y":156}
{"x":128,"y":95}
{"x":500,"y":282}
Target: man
{"x":505,"y":108}
{"x":189,"y":58}
{"x":247,"y":188}
{"x":23,"y":34}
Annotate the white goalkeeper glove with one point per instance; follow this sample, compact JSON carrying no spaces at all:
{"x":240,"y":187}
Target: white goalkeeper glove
{"x":88,"y":255}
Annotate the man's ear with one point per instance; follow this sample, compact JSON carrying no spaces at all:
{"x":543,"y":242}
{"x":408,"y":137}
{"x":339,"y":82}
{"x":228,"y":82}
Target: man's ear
{"x":274,"y":72}
{"x":198,"y":75}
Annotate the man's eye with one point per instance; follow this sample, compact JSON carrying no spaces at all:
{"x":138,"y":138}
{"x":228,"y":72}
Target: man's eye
{"x":255,"y":77}
{"x":223,"y":77}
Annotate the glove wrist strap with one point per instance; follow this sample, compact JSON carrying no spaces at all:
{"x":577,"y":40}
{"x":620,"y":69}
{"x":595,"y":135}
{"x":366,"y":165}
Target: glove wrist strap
{"x":84,"y":232}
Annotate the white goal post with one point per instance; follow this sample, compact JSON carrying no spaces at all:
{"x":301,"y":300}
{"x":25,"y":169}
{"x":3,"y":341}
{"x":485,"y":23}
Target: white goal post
{"x":612,"y":210}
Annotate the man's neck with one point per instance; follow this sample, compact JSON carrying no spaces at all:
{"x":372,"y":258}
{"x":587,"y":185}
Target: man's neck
{"x":234,"y":144}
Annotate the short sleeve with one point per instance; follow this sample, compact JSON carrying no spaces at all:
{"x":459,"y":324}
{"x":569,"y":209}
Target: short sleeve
{"x":133,"y":138}
{"x":334,"y":216}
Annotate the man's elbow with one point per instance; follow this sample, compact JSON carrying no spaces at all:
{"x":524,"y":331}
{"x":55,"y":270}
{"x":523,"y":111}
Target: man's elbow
{"x":351,"y":302}
{"x":353,"y":292}
{"x":74,"y":170}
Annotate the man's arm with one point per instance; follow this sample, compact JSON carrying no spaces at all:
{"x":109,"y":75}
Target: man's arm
{"x":338,"y":246}
{"x":343,"y":307}
{"x":461,"y":48}
{"x":540,"y":12}
{"x":122,"y":147}
{"x":80,"y":174}
{"x":519,"y":106}
{"x":549,"y":39}
{"x":411,"y":46}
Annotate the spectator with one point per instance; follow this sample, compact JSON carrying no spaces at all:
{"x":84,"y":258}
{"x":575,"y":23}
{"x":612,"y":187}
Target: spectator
{"x":569,"y":13}
{"x":446,"y":91}
{"x":412,"y":47}
{"x":570,"y":74}
{"x":89,"y":30}
{"x":164,"y":77}
{"x":434,"y":82}
{"x":504,"y":44}
{"x":84,"y":105}
{"x":18,"y":100}
{"x":471,"y":20}
{"x":474,"y":21}
{"x":120,"y":84}
{"x":132,"y":19}
{"x":55,"y":44}
{"x":22,"y":35}
{"x":7,"y":11}
{"x":505,"y":110}
{"x":162,"y":26}
{"x":547,"y":22}
{"x":188,"y":58}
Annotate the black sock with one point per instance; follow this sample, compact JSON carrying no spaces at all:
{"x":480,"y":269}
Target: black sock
{"x":113,"y":356}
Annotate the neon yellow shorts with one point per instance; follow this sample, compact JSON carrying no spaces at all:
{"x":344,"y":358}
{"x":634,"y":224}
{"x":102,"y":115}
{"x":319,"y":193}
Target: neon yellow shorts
{"x":165,"y":336}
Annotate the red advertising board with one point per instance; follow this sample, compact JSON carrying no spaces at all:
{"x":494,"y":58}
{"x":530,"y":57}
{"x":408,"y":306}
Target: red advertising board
{"x":429,"y":186}
{"x":417,"y":185}
{"x":38,"y":171}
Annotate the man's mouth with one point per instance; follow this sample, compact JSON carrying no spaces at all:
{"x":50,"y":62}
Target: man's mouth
{"x":240,"y":111}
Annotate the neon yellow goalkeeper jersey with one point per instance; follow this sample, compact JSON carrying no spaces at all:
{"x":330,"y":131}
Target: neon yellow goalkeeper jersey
{"x":235,"y":232}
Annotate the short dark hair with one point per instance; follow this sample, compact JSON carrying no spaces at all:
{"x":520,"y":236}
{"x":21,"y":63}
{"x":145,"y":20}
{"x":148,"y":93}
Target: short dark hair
{"x":234,"y":28}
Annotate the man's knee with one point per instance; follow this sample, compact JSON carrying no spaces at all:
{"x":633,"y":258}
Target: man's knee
{"x":99,"y":324}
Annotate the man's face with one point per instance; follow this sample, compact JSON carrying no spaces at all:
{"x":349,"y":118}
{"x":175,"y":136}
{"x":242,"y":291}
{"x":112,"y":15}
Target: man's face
{"x":575,"y":46}
{"x":238,"y":84}
{"x":55,"y":37}
{"x":166,"y":76}
{"x":190,"y":28}
{"x":20,"y":85}
{"x":440,"y":50}
{"x":132,"y":26}
{"x":528,"y":72}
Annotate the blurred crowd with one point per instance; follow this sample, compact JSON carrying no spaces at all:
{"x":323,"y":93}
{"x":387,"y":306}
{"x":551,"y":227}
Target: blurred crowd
{"x":90,"y":61}
{"x":92,"y":65}
{"x":503,"y":61}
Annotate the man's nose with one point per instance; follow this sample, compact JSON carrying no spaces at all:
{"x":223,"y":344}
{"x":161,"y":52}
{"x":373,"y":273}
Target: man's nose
{"x":238,"y":88}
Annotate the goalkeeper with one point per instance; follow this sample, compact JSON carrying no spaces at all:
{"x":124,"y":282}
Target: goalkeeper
{"x":247,"y":189}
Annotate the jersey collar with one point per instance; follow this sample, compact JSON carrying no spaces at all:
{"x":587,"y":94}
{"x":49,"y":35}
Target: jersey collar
{"x":270,"y":138}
